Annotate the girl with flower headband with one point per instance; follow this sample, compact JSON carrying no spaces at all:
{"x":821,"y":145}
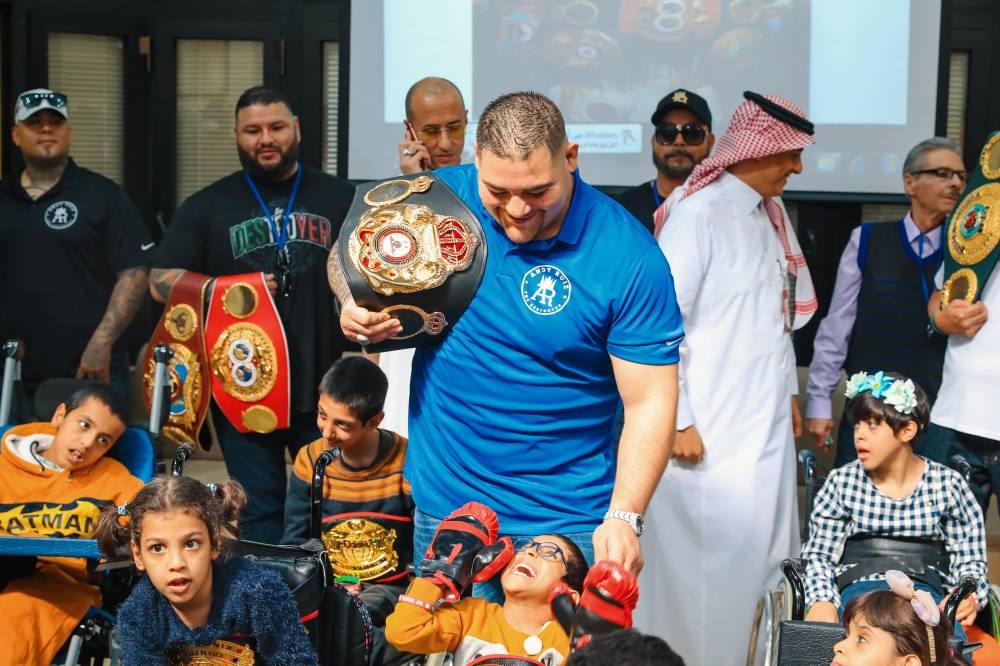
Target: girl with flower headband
{"x":901,"y":626}
{"x":196,"y":601}
{"x":890,"y":492}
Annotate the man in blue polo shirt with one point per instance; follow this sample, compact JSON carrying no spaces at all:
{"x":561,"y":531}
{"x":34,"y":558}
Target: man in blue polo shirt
{"x":515,"y":407}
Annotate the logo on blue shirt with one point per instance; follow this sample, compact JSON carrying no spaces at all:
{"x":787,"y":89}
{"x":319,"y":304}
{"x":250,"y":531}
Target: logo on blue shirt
{"x":545,"y":289}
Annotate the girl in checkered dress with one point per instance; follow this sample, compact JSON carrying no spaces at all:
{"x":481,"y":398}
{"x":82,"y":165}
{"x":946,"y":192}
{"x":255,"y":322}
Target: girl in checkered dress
{"x":889,"y":491}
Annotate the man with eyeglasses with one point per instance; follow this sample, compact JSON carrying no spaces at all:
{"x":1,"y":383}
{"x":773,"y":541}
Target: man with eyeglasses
{"x":67,"y":236}
{"x":886,"y":273}
{"x":278,"y":217}
{"x":682,"y":137}
{"x":435,"y":123}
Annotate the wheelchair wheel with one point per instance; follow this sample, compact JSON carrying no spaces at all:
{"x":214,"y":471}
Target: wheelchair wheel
{"x":772,"y":608}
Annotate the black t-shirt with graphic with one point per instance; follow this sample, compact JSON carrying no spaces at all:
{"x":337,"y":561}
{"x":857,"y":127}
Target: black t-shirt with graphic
{"x":222,"y":230}
{"x":59,"y":260}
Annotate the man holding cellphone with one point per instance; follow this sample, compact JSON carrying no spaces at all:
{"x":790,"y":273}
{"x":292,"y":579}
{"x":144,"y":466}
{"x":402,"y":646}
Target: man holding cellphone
{"x":435,"y":123}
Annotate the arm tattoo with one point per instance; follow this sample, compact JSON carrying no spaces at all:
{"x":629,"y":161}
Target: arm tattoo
{"x":335,"y":275}
{"x":125,"y":299}
{"x":161,"y":282}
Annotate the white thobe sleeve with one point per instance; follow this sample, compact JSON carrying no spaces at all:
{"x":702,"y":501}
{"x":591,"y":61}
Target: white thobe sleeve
{"x":686,"y":242}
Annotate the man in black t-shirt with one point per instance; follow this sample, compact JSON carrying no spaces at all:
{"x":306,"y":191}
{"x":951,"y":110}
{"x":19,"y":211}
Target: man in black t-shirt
{"x":74,"y":254}
{"x":224,"y":230}
{"x":682,"y":137}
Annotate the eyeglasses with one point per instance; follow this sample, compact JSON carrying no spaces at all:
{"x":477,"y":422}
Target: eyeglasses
{"x":545,"y":549}
{"x":944,"y":173}
{"x":31,"y":100}
{"x":432,"y":134}
{"x":666,"y":134}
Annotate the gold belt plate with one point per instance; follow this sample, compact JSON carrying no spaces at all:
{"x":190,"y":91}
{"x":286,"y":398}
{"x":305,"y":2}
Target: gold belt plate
{"x":245,"y":361}
{"x":361,"y":547}
{"x":406,"y":248}
{"x":974,"y":228}
{"x":219,"y":653}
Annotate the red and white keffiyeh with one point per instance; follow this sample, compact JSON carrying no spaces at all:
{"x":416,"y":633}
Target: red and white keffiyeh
{"x":754,"y":133}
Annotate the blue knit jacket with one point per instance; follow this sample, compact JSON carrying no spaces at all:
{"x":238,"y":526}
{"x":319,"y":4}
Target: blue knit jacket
{"x":247,"y":601}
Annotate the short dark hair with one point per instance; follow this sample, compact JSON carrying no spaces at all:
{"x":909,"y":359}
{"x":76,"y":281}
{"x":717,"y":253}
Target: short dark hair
{"x":625,"y":647}
{"x":513,"y":125}
{"x":430,"y":85}
{"x":262,"y":95}
{"x":358,"y":383}
{"x":576,"y":563}
{"x":865,"y":406}
{"x":102,"y":393}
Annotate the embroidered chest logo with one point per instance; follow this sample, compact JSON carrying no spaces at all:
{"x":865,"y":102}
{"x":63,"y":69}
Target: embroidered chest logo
{"x":61,"y":215}
{"x":545,"y":289}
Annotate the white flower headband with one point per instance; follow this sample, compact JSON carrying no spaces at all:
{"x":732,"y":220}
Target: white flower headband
{"x":900,"y":393}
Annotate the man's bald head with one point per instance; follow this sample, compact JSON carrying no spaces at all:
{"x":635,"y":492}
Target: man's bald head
{"x":437,"y":115}
{"x":431,"y":86}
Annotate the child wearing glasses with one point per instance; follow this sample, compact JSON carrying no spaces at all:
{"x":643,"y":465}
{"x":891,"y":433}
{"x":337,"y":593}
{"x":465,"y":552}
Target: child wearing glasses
{"x":431,"y":617}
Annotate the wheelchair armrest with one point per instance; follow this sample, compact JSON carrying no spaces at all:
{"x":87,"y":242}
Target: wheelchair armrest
{"x":793,"y":570}
{"x":966,"y":586}
{"x":49,"y":547}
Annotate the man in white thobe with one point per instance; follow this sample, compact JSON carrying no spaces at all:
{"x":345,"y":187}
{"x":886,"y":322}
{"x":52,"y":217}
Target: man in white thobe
{"x":725,"y":515}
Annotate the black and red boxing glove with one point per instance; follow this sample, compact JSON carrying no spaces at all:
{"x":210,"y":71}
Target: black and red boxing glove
{"x":609,"y":597}
{"x":451,"y":560}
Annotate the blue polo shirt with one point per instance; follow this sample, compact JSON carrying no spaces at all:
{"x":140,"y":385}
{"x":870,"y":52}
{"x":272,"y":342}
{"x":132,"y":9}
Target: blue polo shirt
{"x":514,"y":408}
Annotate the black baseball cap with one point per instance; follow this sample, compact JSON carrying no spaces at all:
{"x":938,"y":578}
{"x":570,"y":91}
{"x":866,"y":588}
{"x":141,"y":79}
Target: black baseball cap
{"x":683,"y":99}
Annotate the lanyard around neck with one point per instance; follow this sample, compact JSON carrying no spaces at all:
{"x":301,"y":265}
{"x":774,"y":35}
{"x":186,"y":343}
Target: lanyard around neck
{"x":920,"y":266}
{"x":280,"y":233}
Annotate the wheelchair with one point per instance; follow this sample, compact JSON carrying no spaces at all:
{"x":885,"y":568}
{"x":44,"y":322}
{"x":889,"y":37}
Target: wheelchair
{"x":94,"y":639}
{"x":781,"y":637}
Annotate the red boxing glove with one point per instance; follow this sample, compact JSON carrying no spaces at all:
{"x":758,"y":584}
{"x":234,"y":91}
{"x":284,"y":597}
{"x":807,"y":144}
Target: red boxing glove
{"x":450,"y":558}
{"x":490,"y":560}
{"x":610,"y":594}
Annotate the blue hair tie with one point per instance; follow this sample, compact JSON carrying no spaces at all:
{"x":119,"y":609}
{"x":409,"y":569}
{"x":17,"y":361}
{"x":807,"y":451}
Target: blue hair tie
{"x":212,"y":488}
{"x":123,"y":509}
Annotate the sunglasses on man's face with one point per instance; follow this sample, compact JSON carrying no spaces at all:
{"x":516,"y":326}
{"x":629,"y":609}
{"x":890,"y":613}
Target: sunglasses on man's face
{"x":666,"y":134}
{"x":32,"y":100}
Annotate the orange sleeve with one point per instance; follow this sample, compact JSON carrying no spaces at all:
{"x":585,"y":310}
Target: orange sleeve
{"x":410,"y":628}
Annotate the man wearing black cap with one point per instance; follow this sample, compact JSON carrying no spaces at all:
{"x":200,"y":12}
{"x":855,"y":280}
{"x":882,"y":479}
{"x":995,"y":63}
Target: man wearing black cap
{"x":681,"y":139}
{"x":68,"y":236}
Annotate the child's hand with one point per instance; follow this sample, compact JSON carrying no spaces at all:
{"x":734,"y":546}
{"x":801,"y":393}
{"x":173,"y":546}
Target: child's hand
{"x":967,"y":609}
{"x":823,"y":611}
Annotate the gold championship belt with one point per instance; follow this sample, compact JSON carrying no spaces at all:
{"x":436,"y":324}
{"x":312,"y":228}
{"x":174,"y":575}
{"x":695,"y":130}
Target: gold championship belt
{"x":361,"y":547}
{"x":410,"y":247}
{"x":219,"y":653}
{"x":248,"y":354}
{"x":972,"y":233}
{"x":182,"y":329}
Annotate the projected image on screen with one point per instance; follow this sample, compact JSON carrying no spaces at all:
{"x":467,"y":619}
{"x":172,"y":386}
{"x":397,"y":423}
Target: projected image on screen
{"x":608,"y":63}
{"x":865,"y":72}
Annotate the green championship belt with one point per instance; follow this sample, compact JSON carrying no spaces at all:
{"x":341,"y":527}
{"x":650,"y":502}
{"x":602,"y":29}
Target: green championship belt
{"x":972,"y":234}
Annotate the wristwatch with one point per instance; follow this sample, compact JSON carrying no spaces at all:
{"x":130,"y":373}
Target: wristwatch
{"x":633,"y":519}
